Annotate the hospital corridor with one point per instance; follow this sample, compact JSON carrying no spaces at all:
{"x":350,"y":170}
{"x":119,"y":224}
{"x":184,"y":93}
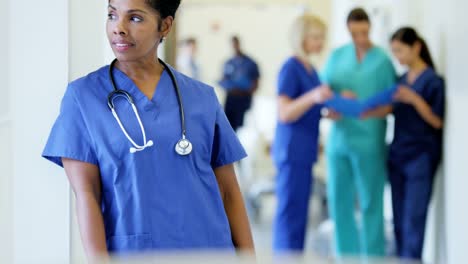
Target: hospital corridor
{"x":234,"y":131}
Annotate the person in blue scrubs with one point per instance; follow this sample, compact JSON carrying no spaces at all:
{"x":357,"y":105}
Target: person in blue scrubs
{"x":295,"y":146}
{"x":152,"y":199}
{"x":416,"y":150}
{"x":356,"y":149}
{"x":240,"y":80}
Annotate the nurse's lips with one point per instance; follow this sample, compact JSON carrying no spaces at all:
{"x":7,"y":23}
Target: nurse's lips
{"x":122,"y":46}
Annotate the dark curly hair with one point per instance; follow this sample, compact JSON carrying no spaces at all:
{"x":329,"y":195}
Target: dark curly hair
{"x":165,"y":8}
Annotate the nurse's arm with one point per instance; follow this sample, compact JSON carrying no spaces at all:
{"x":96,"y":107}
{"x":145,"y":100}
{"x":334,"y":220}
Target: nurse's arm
{"x":254,"y":87}
{"x":379,"y":112}
{"x":86,"y":184}
{"x":290,"y":110}
{"x":425,"y":111}
{"x":234,"y":207}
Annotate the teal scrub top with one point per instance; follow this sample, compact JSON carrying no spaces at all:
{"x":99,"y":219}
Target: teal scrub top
{"x":373,"y":74}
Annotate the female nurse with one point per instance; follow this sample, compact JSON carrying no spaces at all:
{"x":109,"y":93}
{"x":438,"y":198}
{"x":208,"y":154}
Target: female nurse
{"x":356,"y":149}
{"x":416,"y":150}
{"x":300,"y":94}
{"x":155,"y":196}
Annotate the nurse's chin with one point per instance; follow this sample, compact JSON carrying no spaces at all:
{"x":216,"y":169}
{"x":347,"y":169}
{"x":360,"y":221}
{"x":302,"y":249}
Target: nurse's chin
{"x":125,"y":57}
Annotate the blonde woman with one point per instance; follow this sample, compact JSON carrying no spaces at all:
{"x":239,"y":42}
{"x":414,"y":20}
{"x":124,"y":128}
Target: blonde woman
{"x":300,"y":95}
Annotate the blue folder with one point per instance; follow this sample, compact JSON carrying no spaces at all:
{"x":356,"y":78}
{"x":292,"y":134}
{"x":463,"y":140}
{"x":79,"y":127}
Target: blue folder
{"x":381,"y":99}
{"x":355,"y":108}
{"x":345,"y":106}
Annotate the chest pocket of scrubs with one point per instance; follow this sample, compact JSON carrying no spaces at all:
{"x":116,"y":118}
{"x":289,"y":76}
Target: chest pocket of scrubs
{"x":129,"y":244}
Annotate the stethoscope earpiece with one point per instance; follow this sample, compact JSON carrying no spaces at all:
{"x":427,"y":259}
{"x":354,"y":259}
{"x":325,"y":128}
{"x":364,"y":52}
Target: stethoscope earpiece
{"x":183,"y":146}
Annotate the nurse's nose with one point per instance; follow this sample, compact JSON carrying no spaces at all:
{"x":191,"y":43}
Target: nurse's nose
{"x":120,"y":28}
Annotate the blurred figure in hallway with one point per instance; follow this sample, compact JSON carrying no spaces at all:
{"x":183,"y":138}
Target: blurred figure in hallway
{"x":186,"y":60}
{"x":295,"y":147}
{"x":240,"y":80}
{"x":356,"y":149}
{"x":416,"y":150}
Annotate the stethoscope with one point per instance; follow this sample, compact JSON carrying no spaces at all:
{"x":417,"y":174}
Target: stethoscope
{"x":183,"y":146}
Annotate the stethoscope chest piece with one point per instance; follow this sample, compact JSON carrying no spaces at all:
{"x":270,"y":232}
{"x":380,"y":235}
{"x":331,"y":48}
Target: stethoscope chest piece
{"x":183,"y":147}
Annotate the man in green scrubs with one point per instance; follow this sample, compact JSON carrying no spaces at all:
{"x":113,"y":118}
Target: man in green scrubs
{"x":356,"y":149}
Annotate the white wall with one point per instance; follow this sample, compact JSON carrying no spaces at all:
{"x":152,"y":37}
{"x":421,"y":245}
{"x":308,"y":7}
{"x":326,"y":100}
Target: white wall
{"x":6,"y":208}
{"x":457,"y":130}
{"x":38,"y":76}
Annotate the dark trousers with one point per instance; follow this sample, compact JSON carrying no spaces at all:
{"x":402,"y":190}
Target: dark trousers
{"x":411,"y":183}
{"x":235,"y":108}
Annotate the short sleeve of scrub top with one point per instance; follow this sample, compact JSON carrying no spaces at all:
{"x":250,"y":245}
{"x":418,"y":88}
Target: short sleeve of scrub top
{"x":227,"y":148}
{"x":288,"y":81}
{"x":255,"y":71}
{"x":69,"y":137}
{"x":437,"y":97}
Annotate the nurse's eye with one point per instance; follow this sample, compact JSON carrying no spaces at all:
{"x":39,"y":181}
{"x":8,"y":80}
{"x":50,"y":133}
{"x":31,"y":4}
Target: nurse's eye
{"x":136,"y":19}
{"x":111,"y":16}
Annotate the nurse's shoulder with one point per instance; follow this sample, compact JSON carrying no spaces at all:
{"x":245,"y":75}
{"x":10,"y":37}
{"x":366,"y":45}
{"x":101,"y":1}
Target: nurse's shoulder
{"x":340,"y":53}
{"x":194,"y":90}
{"x":343,"y":50}
{"x":382,"y":54}
{"x":289,"y":63}
{"x":434,"y":81}
{"x":96,"y":82}
{"x":289,"y":69}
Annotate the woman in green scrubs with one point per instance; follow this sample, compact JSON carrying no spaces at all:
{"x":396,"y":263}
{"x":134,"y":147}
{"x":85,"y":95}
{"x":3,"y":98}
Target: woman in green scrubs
{"x":356,"y":149}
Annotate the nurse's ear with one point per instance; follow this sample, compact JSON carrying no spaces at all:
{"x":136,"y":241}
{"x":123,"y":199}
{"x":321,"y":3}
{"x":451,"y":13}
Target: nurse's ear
{"x":416,"y":48}
{"x":165,"y":26}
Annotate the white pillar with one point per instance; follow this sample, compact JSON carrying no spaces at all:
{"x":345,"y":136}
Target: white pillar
{"x":6,"y":204}
{"x":456,"y":172}
{"x":89,"y":50}
{"x":38,"y":70}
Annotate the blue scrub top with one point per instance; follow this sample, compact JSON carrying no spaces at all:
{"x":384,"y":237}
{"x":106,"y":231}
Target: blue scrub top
{"x":153,"y":199}
{"x":297,"y":142}
{"x":413,"y":135}
{"x":239,"y":72}
{"x":366,"y":78}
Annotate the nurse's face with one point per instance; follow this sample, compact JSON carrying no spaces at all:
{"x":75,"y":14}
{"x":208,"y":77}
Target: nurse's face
{"x":359,"y":31}
{"x":135,"y":30}
{"x":313,"y":41}
{"x":405,"y":54}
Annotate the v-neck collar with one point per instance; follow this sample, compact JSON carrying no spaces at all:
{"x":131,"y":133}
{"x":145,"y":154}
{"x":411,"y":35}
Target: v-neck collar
{"x":301,"y":65}
{"x":366,"y":55}
{"x":127,"y":84}
{"x":418,"y":78}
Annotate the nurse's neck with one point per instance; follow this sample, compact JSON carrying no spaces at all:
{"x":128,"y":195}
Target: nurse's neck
{"x":143,"y":69}
{"x":144,"y":73}
{"x":417,"y":65}
{"x":415,"y":69}
{"x":304,"y":61}
{"x":361,"y":50}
